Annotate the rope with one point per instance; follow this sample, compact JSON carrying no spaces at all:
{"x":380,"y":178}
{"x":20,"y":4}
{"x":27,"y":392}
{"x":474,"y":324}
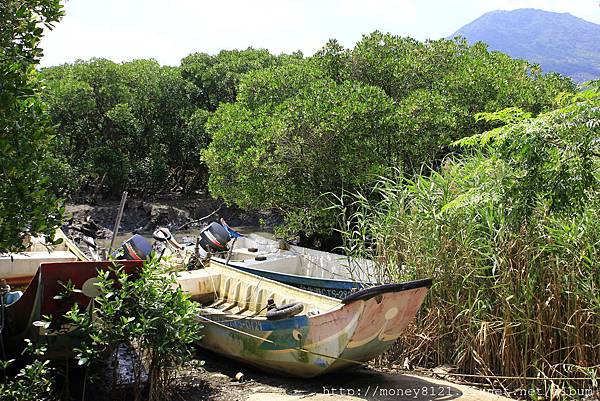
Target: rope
{"x":350,"y":360}
{"x":278,"y":344}
{"x":264,"y":339}
{"x":362,"y":363}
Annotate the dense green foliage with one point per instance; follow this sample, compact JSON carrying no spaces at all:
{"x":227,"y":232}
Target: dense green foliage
{"x":510,"y":236}
{"x":302,"y":132}
{"x":216,"y":78}
{"x":559,"y":42}
{"x":274,"y":129}
{"x":138,"y":125}
{"x":328,"y":137}
{"x":121,"y":125}
{"x":27,"y":200}
{"x":34,"y":381}
{"x":554,"y":155}
{"x":282,"y":132}
{"x":150,"y":314}
{"x":506,"y":223}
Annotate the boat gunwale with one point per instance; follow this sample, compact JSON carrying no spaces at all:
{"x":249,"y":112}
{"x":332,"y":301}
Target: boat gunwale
{"x":370,"y":292}
{"x":367,"y":289}
{"x":361,"y":295}
{"x":235,"y":270}
{"x":303,"y":280}
{"x":323,"y":282}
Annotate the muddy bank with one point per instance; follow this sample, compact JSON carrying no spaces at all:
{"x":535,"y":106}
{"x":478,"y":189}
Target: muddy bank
{"x":143,"y":216}
{"x":217,"y":381}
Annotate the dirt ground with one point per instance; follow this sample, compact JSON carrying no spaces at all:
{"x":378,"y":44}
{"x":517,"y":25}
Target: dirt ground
{"x":217,"y":381}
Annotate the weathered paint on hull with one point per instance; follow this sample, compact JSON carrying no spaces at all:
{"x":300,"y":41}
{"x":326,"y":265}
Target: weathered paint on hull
{"x":354,"y":332}
{"x":18,"y":269}
{"x":308,"y":269}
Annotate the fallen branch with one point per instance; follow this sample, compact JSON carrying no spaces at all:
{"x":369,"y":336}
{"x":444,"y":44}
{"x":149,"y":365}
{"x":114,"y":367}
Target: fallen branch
{"x":200,"y":219}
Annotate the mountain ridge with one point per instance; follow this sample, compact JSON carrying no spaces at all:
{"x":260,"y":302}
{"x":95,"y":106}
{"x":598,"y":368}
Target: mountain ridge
{"x":558,"y":42}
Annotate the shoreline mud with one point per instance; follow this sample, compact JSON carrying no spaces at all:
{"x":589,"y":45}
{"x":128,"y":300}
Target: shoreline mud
{"x":141,"y":216}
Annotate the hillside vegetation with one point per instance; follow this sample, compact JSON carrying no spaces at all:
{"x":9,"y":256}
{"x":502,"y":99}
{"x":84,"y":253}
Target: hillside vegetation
{"x":558,"y":42}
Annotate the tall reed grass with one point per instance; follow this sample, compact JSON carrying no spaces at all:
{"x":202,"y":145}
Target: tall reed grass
{"x":512,"y":296}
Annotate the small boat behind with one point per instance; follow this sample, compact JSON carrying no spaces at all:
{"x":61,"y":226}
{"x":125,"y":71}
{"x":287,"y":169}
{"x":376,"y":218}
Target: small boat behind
{"x":19,"y":268}
{"x":290,"y":331}
{"x":325,"y":273}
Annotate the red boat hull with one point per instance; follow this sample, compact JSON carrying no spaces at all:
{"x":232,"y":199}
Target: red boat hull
{"x":41,"y":301}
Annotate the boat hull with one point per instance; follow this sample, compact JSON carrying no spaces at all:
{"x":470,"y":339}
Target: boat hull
{"x":321,"y":272}
{"x":347,"y":333}
{"x":330,"y":287}
{"x":40,"y":299}
{"x":19,"y":268}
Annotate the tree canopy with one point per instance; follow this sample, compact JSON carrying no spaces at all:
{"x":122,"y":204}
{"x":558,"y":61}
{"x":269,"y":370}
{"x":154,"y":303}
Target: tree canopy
{"x":152,"y":115}
{"x":305,"y":131}
{"x":27,"y":205}
{"x":120,"y":125}
{"x":285,"y":132}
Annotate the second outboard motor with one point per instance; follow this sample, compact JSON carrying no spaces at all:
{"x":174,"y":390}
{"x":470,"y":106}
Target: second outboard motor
{"x":214,"y":238}
{"x":135,"y":248}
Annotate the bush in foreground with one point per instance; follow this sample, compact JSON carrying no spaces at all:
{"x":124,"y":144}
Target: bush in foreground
{"x":150,"y":315}
{"x":34,"y":381}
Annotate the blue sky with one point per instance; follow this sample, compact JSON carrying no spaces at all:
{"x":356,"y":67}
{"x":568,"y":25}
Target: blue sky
{"x":168,"y":30}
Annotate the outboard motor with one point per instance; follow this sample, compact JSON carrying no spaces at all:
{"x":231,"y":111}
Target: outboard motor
{"x":214,"y":238}
{"x":135,"y":248}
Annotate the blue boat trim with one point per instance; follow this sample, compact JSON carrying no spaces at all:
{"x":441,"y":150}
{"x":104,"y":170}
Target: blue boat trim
{"x":295,"y":279}
{"x":296,"y":322}
{"x":346,"y":290}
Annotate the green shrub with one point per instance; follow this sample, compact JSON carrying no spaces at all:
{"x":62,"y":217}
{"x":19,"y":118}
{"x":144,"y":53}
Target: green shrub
{"x":150,"y":315}
{"x":324,"y":138}
{"x":27,"y":207}
{"x":34,"y":381}
{"x":329,"y":123}
{"x":118,"y":125}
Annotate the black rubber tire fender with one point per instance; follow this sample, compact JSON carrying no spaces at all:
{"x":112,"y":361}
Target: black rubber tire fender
{"x":285,"y":311}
